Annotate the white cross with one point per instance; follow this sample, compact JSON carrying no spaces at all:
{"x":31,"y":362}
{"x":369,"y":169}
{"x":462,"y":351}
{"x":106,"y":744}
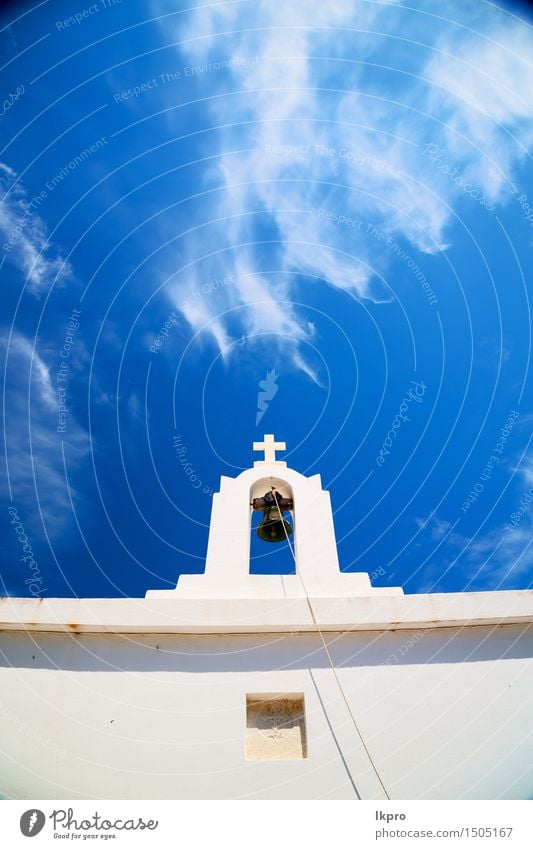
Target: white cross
{"x":269,"y":446}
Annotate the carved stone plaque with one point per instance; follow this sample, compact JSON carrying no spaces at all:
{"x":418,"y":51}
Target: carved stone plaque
{"x":275,"y":727}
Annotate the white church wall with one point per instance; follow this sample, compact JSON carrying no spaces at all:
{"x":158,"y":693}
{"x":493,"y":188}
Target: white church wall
{"x":444,"y":713}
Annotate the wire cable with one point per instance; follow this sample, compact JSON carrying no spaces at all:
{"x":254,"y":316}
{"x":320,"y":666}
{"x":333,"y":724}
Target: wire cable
{"x":317,"y":626}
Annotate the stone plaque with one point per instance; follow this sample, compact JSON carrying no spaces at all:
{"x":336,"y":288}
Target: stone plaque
{"x":275,"y":727}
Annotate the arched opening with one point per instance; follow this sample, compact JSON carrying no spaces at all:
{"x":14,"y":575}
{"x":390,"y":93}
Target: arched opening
{"x":272,"y":557}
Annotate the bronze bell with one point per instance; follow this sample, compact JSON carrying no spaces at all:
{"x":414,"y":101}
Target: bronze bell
{"x":273,"y":527}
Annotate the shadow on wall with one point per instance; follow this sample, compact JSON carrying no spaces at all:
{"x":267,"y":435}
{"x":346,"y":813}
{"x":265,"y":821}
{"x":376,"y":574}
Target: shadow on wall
{"x":243,"y":653}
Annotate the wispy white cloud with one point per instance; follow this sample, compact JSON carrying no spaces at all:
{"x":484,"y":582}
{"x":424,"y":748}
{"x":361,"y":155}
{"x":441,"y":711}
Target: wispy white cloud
{"x":488,"y":559}
{"x":331,"y":107}
{"x":525,"y":469}
{"x":485,"y":97}
{"x":498,"y":558}
{"x":438,"y":528}
{"x":32,"y":443}
{"x":25,"y":236}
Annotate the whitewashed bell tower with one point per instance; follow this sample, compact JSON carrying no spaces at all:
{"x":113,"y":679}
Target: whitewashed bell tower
{"x":227,"y":569}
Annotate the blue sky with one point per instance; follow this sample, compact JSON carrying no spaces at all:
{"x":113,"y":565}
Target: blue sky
{"x":337,"y":195}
